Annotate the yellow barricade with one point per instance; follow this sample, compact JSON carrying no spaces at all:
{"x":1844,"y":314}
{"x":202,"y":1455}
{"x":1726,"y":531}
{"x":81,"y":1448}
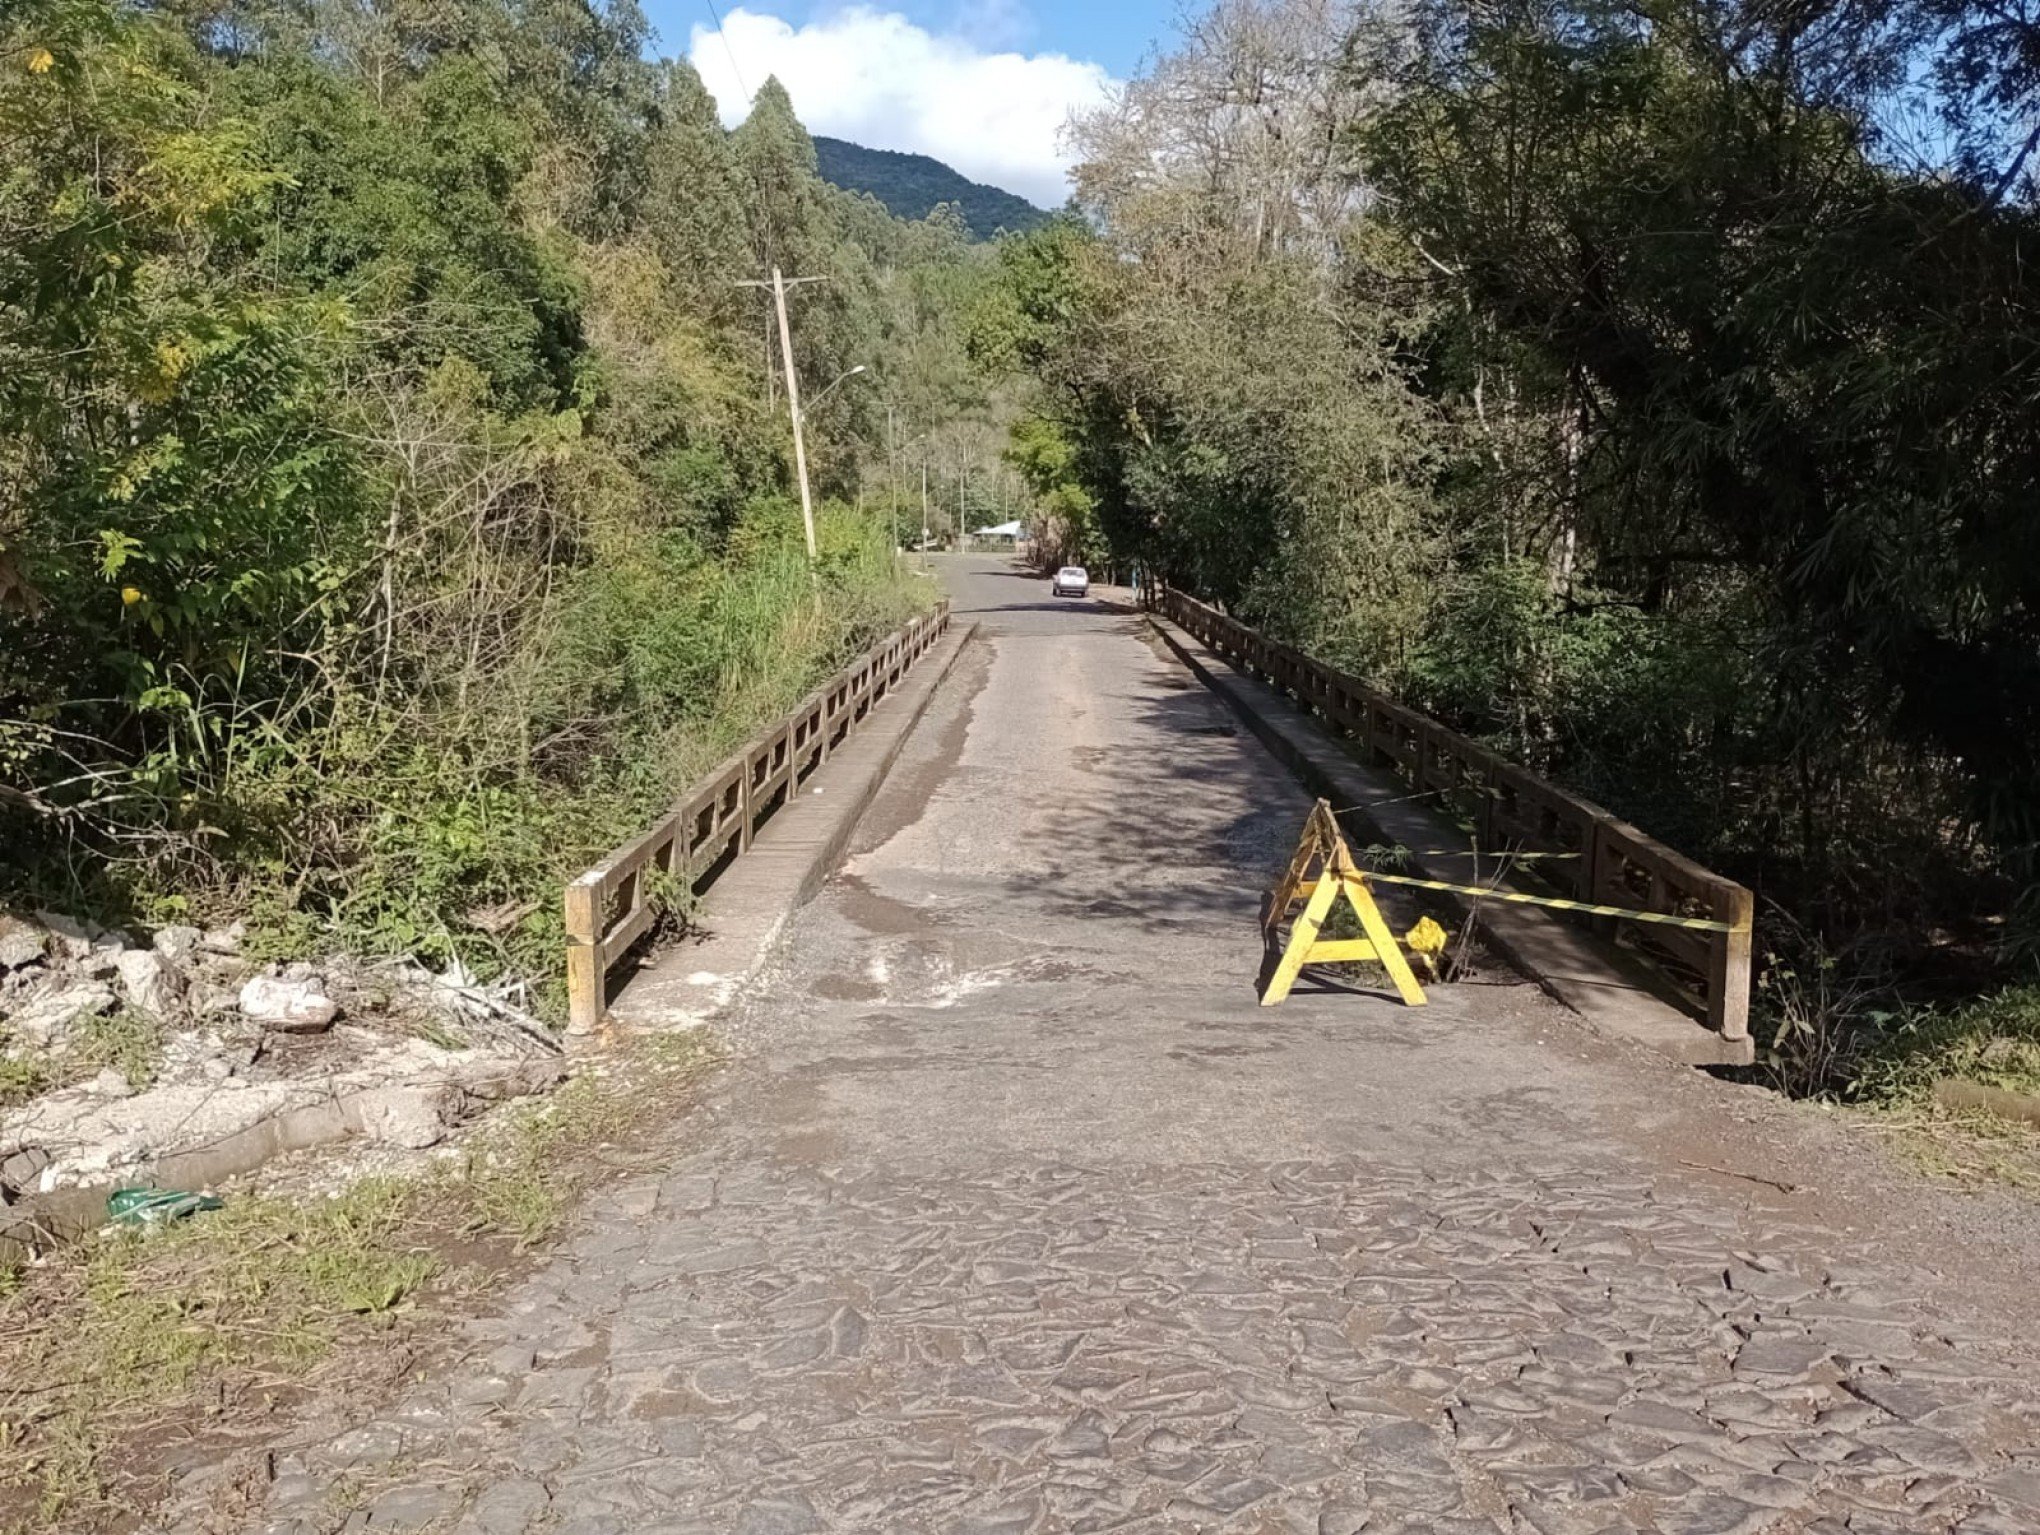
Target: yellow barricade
{"x":1321,"y":873}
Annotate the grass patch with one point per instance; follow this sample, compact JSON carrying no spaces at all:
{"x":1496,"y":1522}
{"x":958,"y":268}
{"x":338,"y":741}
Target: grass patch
{"x":129,"y":1041}
{"x":22,"y":1077}
{"x":1994,"y":1042}
{"x":134,"y":1323}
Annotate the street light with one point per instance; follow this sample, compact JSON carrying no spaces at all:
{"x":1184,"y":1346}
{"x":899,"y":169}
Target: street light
{"x":833,"y":383}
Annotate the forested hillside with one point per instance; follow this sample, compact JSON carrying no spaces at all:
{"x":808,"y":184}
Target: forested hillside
{"x":913,"y":186}
{"x":1649,"y":392}
{"x":395,"y":497}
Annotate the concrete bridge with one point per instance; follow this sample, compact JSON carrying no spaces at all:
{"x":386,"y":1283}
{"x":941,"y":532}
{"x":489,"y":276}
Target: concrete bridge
{"x":1013,"y":1212}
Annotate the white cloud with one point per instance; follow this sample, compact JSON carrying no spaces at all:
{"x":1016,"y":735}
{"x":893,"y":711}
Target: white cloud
{"x":876,"y":78}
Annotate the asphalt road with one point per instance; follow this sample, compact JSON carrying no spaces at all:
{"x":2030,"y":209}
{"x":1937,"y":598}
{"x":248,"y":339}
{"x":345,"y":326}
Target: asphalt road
{"x":1015,"y":1213}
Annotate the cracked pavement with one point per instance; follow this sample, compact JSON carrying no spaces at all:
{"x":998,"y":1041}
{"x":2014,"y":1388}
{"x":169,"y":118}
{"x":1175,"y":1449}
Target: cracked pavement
{"x":1014,"y":1213}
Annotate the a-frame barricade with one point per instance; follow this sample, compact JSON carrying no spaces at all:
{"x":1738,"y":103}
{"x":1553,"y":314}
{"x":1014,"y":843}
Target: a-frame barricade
{"x":1337,"y":877}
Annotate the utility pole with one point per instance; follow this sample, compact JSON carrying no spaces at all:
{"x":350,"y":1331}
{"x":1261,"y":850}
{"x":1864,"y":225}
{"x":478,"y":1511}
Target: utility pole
{"x":924,"y":508}
{"x":779,"y":285}
{"x":807,"y":509}
{"x":892,"y":475}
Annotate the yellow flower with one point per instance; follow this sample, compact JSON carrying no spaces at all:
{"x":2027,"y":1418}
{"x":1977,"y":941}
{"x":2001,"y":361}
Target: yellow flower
{"x":41,"y":61}
{"x":130,"y":595}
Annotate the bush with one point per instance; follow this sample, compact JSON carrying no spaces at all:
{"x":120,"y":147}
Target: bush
{"x":1994,"y":1041}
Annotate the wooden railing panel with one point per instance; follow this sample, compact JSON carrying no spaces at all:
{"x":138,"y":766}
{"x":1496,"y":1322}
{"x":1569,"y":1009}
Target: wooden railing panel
{"x":1601,"y":858}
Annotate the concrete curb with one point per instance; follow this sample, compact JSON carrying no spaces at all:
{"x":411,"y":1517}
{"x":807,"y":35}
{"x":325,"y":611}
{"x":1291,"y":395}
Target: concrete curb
{"x":792,"y":855}
{"x":63,"y":1215}
{"x":1611,"y":990}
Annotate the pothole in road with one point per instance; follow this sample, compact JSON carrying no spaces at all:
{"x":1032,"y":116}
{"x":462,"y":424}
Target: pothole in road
{"x":880,"y":915}
{"x":911,"y":975}
{"x":844,"y":988}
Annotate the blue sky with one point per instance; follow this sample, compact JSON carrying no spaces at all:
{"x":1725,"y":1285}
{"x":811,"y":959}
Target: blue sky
{"x":1115,"y":33}
{"x":986,"y":85}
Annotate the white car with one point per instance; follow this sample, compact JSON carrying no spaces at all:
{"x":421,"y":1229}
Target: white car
{"x":1070,"y":581}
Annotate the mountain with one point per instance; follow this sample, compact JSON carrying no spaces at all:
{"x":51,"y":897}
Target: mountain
{"x":911,"y":185}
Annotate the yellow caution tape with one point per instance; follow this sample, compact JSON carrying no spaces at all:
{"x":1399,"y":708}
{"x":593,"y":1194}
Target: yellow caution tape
{"x":1498,"y":854}
{"x":1705,"y":924}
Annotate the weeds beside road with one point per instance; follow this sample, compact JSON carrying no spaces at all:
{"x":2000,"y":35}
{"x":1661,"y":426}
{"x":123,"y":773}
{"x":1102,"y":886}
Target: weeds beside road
{"x":141,"y":1339}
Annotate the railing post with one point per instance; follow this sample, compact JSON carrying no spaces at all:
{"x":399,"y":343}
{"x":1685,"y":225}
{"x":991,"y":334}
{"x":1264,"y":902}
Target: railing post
{"x":1728,"y":970}
{"x":1589,"y":882}
{"x":744,"y":806}
{"x":585,"y":981}
{"x":1490,"y":793}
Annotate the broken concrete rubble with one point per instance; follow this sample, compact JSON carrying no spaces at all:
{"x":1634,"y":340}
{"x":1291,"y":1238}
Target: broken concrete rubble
{"x":77,"y":939}
{"x":151,"y":983}
{"x":291,"y":1006}
{"x":412,"y":1117}
{"x":177,"y":943}
{"x":21,"y":943}
{"x":256,"y":1063}
{"x":46,"y":1020}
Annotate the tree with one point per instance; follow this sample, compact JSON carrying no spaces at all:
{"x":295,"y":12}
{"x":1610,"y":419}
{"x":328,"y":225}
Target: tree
{"x":1767,"y":367}
{"x":775,"y":162}
{"x":170,"y":480}
{"x":694,"y":206}
{"x":389,"y":509}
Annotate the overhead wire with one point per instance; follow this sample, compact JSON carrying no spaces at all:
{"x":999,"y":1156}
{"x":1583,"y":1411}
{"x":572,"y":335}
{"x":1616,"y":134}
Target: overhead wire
{"x":735,"y":68}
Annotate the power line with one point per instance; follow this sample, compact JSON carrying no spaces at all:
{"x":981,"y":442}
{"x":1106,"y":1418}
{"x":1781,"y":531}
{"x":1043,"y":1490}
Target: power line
{"x":735,"y":69}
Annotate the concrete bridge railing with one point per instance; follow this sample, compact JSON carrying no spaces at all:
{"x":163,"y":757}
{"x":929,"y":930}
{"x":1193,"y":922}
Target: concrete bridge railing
{"x":611,"y":907}
{"x":1611,"y":862}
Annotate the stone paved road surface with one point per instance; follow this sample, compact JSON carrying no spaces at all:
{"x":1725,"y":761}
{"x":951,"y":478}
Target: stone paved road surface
{"x":1015,"y":1214}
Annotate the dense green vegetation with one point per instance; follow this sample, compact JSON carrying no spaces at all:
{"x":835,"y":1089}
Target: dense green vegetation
{"x":914,"y":186}
{"x":395,"y":502}
{"x":1620,"y":383}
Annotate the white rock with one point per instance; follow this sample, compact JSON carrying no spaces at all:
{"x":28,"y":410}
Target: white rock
{"x":224,"y":940}
{"x":401,"y":1116}
{"x":113,"y":1083}
{"x":177,"y":942}
{"x":21,"y":943}
{"x":50,"y":1015}
{"x":152,"y":983}
{"x":295,"y":1007}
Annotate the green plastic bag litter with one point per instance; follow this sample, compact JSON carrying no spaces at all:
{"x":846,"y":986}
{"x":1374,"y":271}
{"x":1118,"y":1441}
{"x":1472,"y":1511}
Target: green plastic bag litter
{"x":147,"y":1207}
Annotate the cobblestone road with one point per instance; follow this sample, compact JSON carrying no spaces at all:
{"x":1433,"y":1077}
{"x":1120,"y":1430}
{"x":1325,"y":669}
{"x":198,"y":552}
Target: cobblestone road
{"x":1013,"y":1214}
